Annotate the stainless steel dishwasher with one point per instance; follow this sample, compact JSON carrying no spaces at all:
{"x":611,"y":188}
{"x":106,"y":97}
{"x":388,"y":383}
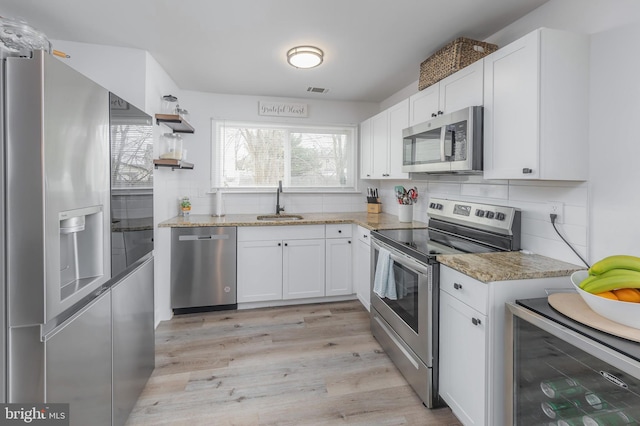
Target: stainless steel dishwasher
{"x":203,"y":269}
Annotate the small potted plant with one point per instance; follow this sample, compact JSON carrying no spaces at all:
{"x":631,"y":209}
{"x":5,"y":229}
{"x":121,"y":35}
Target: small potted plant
{"x":185,"y":206}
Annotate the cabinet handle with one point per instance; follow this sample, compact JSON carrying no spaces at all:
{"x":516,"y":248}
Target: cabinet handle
{"x":279,"y":244}
{"x":457,"y":286}
{"x":440,"y":112}
{"x":476,"y":321}
{"x":433,"y":114}
{"x":527,"y":170}
{"x":286,"y":244}
{"x":368,"y":175}
{"x":339,"y":231}
{"x":365,"y":236}
{"x":349,"y":241}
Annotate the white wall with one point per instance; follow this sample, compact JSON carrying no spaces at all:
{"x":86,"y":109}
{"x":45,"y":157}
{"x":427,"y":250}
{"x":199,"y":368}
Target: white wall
{"x":204,"y":107}
{"x":614,"y":172}
{"x":119,"y":70}
{"x":156,"y":84}
{"x":599,"y":213}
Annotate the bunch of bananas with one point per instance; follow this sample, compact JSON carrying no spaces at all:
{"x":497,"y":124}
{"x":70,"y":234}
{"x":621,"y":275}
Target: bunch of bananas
{"x":615,"y":277}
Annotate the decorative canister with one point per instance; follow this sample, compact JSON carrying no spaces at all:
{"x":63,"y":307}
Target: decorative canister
{"x":171,"y":146}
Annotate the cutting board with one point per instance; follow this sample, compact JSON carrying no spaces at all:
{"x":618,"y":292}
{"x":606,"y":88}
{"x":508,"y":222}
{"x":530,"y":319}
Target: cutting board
{"x":573,"y":306}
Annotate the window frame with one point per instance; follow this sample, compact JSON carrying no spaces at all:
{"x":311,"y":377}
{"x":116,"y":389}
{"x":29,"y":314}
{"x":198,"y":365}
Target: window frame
{"x":217,"y":125}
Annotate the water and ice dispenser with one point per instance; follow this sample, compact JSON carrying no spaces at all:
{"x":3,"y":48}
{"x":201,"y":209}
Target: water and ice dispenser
{"x":81,"y":249}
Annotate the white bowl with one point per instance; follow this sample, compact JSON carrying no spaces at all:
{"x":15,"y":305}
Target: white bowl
{"x":626,"y":313}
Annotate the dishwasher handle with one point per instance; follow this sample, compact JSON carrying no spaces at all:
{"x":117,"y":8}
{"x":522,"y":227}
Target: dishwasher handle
{"x":203,"y":237}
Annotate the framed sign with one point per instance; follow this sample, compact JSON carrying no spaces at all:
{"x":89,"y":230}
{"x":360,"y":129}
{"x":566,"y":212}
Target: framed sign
{"x":283,"y":109}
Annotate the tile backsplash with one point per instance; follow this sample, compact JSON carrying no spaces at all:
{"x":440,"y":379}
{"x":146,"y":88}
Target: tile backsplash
{"x":531,"y":197}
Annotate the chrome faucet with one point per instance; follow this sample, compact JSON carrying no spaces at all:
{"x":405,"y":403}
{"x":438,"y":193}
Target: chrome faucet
{"x":279,"y":208}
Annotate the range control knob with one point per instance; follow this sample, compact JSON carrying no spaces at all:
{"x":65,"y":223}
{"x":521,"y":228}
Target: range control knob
{"x":500,"y":216}
{"x":439,"y":206}
{"x":432,"y":205}
{"x":480,"y":213}
{"x":490,"y":215}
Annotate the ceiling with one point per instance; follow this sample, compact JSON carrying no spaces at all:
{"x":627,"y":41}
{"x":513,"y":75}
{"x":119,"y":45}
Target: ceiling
{"x":373,"y":48}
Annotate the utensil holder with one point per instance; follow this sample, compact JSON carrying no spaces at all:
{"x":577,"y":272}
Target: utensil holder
{"x":405,"y":212}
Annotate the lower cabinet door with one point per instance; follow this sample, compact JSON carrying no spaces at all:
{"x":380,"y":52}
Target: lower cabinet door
{"x":339,"y":275}
{"x":259,"y":271}
{"x":78,"y":364}
{"x":303,"y":265}
{"x":463,"y":359}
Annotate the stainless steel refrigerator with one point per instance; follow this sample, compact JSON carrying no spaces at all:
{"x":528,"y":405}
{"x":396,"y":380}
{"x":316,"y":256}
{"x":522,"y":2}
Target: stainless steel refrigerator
{"x":58,"y":296}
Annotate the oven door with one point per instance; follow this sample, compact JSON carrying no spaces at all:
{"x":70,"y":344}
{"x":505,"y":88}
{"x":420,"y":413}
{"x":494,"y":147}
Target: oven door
{"x":411,"y":315}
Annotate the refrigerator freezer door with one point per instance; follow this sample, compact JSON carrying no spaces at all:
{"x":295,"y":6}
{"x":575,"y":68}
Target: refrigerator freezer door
{"x":133,"y":338}
{"x":78,"y":364}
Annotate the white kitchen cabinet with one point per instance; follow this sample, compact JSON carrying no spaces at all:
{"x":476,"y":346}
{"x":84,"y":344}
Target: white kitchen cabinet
{"x":366,"y":150}
{"x":472,"y":341}
{"x":259,"y":270}
{"x":460,"y":90}
{"x":536,"y":108}
{"x":362,"y":266}
{"x":381,"y":143}
{"x":264,"y":267}
{"x":339,"y":260}
{"x":462,"y":359}
{"x":303,"y":268}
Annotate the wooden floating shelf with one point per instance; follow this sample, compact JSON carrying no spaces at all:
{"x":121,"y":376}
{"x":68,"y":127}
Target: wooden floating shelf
{"x":175,"y":122}
{"x":174,"y":164}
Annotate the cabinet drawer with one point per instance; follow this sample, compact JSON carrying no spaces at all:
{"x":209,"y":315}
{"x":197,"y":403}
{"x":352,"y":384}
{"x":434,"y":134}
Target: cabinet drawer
{"x":343,"y":230}
{"x":364,"y":235}
{"x":464,"y":288}
{"x":293,"y":232}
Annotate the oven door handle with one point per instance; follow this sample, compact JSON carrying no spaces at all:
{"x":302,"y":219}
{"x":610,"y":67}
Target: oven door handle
{"x":402,"y":259}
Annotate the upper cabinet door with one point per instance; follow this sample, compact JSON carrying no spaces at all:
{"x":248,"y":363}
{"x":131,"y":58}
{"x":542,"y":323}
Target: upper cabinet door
{"x":536,"y":108}
{"x":366,"y":150}
{"x":380,"y":145}
{"x":398,"y":121}
{"x":510,"y":110}
{"x":462,"y":89}
{"x":424,"y":105}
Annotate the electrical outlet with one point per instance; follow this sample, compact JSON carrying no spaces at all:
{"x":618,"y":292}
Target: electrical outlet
{"x":557,"y":208}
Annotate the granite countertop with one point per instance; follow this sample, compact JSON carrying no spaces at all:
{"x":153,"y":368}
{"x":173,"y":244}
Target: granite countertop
{"x":367,"y":220}
{"x":127,"y":225}
{"x":503,"y":266}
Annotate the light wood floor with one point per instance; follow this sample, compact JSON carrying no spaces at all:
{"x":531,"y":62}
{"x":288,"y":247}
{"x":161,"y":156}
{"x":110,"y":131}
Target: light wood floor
{"x":297,"y":365}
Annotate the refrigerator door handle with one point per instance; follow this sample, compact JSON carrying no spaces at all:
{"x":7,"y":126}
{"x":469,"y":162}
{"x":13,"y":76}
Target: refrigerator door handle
{"x":48,"y":335}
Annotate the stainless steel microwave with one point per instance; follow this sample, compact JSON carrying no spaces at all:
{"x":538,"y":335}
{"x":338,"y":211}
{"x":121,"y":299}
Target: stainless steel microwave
{"x":450,"y":143}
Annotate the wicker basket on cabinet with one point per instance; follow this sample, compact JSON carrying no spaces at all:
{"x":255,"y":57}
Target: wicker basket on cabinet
{"x":456,"y":55}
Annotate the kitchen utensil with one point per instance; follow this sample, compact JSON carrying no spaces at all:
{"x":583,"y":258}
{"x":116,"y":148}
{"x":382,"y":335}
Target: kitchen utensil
{"x":626,"y":313}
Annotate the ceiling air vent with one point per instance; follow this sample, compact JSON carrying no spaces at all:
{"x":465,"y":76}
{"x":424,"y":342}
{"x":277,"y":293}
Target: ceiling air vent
{"x":317,"y":90}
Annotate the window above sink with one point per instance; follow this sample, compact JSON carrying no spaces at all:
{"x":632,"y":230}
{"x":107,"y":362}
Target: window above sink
{"x":307,"y":158}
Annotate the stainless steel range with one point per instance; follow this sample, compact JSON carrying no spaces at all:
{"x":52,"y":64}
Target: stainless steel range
{"x":405,"y":284}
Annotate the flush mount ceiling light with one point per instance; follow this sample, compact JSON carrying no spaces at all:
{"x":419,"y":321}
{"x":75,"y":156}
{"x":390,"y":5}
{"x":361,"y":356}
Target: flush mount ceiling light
{"x":305,"y":56}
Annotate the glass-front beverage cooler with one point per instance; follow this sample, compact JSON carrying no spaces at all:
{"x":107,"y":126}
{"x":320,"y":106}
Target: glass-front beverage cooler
{"x":562,"y":373}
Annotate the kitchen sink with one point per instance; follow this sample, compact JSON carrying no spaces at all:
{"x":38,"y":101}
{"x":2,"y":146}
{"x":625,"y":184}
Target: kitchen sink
{"x":280,"y":217}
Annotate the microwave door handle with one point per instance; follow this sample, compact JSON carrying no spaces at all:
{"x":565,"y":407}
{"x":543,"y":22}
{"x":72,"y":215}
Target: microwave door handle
{"x":448,"y":142}
{"x":443,"y":143}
